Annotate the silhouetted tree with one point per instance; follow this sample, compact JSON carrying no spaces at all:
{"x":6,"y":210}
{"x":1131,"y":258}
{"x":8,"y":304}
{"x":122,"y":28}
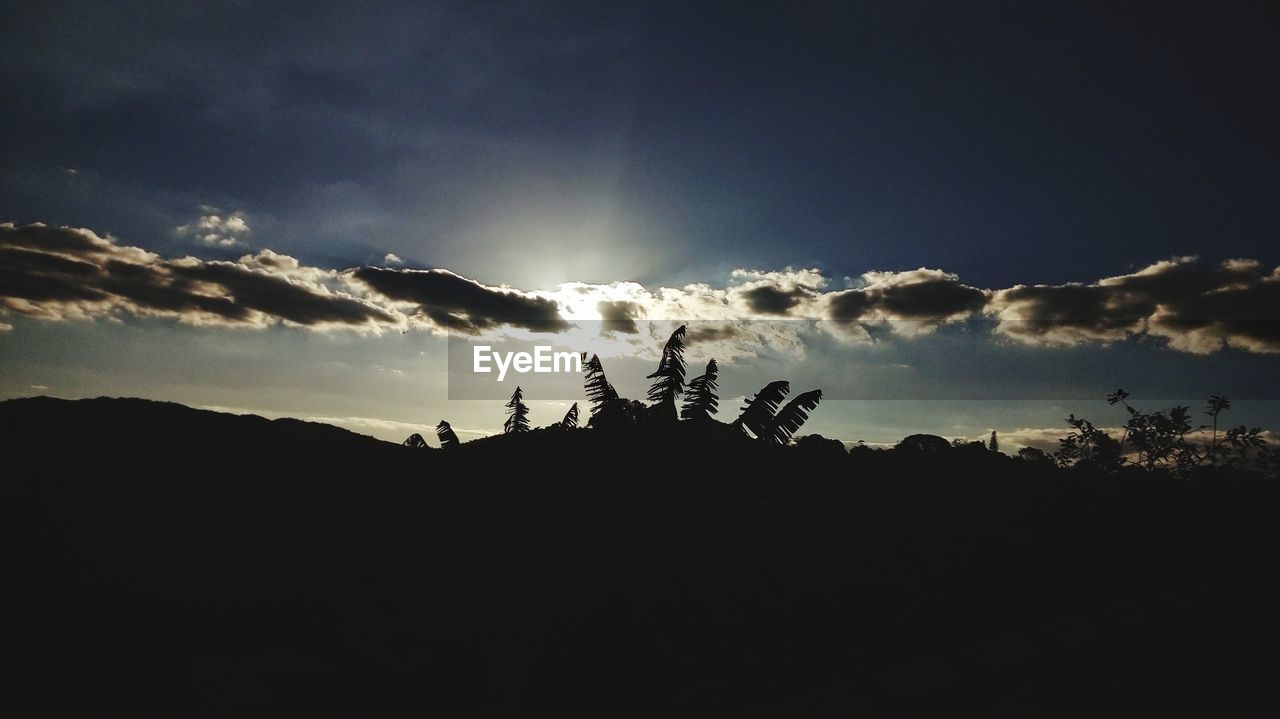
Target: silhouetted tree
{"x":700,"y":402}
{"x":757,"y":414}
{"x":790,"y":417}
{"x":994,"y":443}
{"x":816,"y":444}
{"x":416,"y":441}
{"x":1088,"y":445}
{"x":1160,"y":441}
{"x":1035,"y":456}
{"x":1159,"y":438}
{"x":447,"y":437}
{"x":570,"y":420}
{"x":607,"y":408}
{"x":669,"y":377}
{"x":622,"y":412}
{"x":599,"y":391}
{"x":517,"y":414}
{"x":1216,"y":406}
{"x":922,"y":443}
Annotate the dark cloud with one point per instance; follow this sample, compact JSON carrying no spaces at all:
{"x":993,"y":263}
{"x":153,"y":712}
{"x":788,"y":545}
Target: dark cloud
{"x":45,"y":239}
{"x":1196,"y":307}
{"x":281,"y":297}
{"x":619,"y":316}
{"x":60,"y":273}
{"x":848,"y":305}
{"x":63,"y":273}
{"x":931,"y":299}
{"x":917,"y":300}
{"x":455,"y":302}
{"x":712,"y":333}
{"x":771,"y":300}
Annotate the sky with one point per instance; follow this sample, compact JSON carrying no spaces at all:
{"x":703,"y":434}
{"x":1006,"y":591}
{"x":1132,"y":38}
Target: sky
{"x":952,"y":217}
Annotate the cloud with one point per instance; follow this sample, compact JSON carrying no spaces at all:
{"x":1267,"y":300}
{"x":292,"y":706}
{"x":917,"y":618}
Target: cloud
{"x":712,"y":333}
{"x":775,"y":294}
{"x":1046,"y":438}
{"x":908,"y":303}
{"x":454,"y":302}
{"x":392,"y":258}
{"x":810,"y":278}
{"x":59,"y":273}
{"x":1195,"y":307}
{"x":771,"y":300}
{"x":217,"y":230}
{"x":619,"y":316}
{"x":68,"y":273}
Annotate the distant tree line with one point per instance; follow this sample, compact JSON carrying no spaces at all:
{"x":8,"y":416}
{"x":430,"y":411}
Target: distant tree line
{"x":760,"y":417}
{"x":1159,"y":441}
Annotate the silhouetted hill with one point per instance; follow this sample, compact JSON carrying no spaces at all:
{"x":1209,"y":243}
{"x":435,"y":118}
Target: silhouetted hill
{"x":172,"y":561}
{"x":159,"y":424}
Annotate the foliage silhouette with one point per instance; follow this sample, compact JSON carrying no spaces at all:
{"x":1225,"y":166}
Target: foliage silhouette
{"x":1217,"y":405}
{"x":816,"y":444}
{"x":792,"y":416}
{"x":922,"y":443}
{"x":517,"y":414}
{"x":700,"y":402}
{"x":1160,"y":441}
{"x":1089,"y":446}
{"x":669,"y":377}
{"x":1035,"y":455}
{"x":620,"y":414}
{"x":757,"y":415}
{"x":446,"y":435}
{"x":599,"y":391}
{"x":994,"y":443}
{"x":608,"y":410}
{"x":570,"y":420}
{"x":416,"y":441}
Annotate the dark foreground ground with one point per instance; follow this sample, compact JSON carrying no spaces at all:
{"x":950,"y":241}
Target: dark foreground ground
{"x":160,"y":560}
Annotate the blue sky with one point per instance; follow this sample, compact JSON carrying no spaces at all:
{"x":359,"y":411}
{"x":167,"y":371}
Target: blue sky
{"x":998,"y":144}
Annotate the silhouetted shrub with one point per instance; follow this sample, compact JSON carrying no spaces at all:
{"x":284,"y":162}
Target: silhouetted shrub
{"x":923,"y":443}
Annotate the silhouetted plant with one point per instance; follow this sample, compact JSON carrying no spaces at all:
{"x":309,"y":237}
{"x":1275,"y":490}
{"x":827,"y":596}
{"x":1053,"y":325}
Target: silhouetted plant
{"x":607,"y":408}
{"x":792,"y":416}
{"x":1217,"y":404}
{"x":599,"y":391}
{"x":1160,"y":440}
{"x":1035,"y":455}
{"x":700,"y":402}
{"x":920,"y":443}
{"x":570,"y":420}
{"x":669,"y":377}
{"x":757,"y":414}
{"x":416,"y":441}
{"x":446,"y":435}
{"x":994,"y":443}
{"x":1241,"y":442}
{"x":621,"y":413}
{"x":517,"y":414}
{"x":816,"y":444}
{"x":1088,"y":445}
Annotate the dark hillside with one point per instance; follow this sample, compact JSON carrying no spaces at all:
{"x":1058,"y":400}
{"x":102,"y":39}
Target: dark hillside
{"x":188,"y":563}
